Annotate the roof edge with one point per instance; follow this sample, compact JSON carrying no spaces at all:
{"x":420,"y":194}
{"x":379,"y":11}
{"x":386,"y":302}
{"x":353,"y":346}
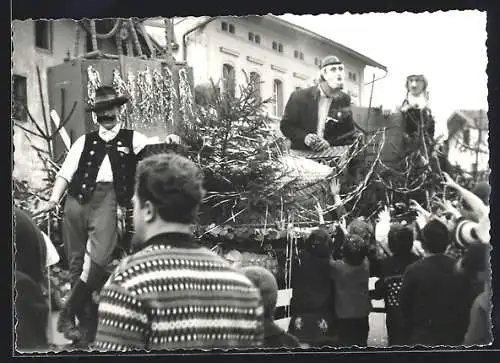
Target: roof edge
{"x":352,"y":52}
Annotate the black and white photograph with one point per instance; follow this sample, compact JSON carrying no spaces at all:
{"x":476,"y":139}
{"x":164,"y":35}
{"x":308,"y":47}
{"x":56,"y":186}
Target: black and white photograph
{"x":251,"y":182}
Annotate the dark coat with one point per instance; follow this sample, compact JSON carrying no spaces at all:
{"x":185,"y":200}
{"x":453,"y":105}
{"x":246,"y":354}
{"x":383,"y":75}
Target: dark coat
{"x":301,"y":118}
{"x":32,"y":314}
{"x":275,"y":337}
{"x":435,"y":302}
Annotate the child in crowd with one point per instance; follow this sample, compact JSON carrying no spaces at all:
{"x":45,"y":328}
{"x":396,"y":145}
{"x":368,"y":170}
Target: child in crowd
{"x":434,"y":299}
{"x":311,"y":305}
{"x":274,"y":336}
{"x":352,"y":299}
{"x":400,"y":240}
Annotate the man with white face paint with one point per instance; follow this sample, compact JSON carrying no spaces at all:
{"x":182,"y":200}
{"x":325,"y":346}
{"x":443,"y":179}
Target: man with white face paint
{"x":318,"y":117}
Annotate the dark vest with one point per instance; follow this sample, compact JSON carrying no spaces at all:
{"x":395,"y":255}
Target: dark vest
{"x":123,"y":165}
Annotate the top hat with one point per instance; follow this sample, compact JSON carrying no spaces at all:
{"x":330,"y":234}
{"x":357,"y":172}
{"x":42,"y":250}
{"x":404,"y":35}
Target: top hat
{"x":106,"y":97}
{"x":329,"y":60}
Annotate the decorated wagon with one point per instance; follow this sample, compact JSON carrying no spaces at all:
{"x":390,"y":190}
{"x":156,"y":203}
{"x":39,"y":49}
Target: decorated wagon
{"x":262,"y":199}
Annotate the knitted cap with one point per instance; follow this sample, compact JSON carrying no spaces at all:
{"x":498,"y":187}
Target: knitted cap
{"x":265,"y":281}
{"x":329,"y":60}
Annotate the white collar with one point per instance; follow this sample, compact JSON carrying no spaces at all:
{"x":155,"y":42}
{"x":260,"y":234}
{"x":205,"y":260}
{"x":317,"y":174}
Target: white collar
{"x":322,"y":93}
{"x":108,"y":135}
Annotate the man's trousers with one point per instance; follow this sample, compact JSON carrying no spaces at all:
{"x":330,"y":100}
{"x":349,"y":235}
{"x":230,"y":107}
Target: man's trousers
{"x":90,"y":231}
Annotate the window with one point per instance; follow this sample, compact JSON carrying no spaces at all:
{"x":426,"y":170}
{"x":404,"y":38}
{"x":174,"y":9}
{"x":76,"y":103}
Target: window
{"x":278,"y":47}
{"x":352,"y":76}
{"x":19,"y":98}
{"x":298,"y":55}
{"x":226,"y":27}
{"x":316,"y":61}
{"x":255,"y":38}
{"x":255,"y":83}
{"x":277,"y":98}
{"x":43,"y":34}
{"x":228,"y":79}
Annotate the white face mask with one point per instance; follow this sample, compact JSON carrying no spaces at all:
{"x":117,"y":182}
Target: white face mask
{"x":415,"y":85}
{"x":334,"y":75}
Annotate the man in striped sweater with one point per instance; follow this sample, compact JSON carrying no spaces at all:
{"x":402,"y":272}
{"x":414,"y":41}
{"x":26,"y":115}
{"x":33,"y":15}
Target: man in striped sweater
{"x":175,"y":294}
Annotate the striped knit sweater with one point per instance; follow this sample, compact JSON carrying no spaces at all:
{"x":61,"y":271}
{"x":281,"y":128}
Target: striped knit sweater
{"x":174,"y":294}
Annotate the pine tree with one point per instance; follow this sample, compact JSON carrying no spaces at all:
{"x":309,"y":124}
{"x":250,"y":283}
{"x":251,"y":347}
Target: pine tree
{"x":236,"y":146}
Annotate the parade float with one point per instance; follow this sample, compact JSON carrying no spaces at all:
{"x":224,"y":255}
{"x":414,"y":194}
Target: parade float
{"x":262,"y":199}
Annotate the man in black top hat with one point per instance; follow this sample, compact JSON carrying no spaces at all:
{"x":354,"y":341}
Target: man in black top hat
{"x":318,"y":117}
{"x":98,"y":174}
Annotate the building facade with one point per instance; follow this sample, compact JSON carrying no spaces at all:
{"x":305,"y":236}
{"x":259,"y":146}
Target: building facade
{"x":279,"y":54}
{"x":42,"y":44}
{"x":468,"y":140}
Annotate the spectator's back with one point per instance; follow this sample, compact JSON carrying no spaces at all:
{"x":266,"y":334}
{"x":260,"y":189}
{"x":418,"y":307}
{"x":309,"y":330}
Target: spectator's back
{"x":175,"y":294}
{"x":436,"y":301}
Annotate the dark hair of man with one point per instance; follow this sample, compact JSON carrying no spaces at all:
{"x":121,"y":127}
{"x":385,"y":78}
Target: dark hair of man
{"x":319,"y":244}
{"x":435,"y":237}
{"x":354,"y":250}
{"x":400,"y":240}
{"x":173,"y":183}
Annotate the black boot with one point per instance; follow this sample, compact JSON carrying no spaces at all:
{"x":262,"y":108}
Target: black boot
{"x":76,"y":302}
{"x":88,"y":324}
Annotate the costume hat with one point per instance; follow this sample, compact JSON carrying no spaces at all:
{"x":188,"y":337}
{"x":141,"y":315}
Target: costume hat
{"x":329,"y":60}
{"x":106,"y":97}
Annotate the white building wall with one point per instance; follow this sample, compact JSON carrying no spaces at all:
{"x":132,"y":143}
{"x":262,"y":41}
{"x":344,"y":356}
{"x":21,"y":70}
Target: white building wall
{"x":25,"y":58}
{"x":235,"y":49}
{"x":467,"y":158}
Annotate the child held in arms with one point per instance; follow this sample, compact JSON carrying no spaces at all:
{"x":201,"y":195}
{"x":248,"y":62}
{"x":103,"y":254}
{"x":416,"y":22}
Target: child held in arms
{"x":352,"y":299}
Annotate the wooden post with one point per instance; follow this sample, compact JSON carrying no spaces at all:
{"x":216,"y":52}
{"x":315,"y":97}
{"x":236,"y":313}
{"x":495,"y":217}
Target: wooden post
{"x":77,"y":41}
{"x":169,"y":32}
{"x":93,"y":34}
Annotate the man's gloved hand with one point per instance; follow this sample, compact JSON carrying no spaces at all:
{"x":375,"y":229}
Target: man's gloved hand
{"x":316,"y":143}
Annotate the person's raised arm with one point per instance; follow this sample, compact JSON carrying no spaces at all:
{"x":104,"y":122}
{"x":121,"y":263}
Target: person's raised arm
{"x":474,"y":202}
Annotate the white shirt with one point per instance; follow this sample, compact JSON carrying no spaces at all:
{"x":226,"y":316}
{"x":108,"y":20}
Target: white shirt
{"x":105,"y":173}
{"x":52,"y":256}
{"x":323,"y":108}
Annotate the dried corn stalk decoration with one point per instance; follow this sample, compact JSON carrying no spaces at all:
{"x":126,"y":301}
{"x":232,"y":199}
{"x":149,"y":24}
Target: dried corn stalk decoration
{"x":93,"y":82}
{"x":186,"y":98}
